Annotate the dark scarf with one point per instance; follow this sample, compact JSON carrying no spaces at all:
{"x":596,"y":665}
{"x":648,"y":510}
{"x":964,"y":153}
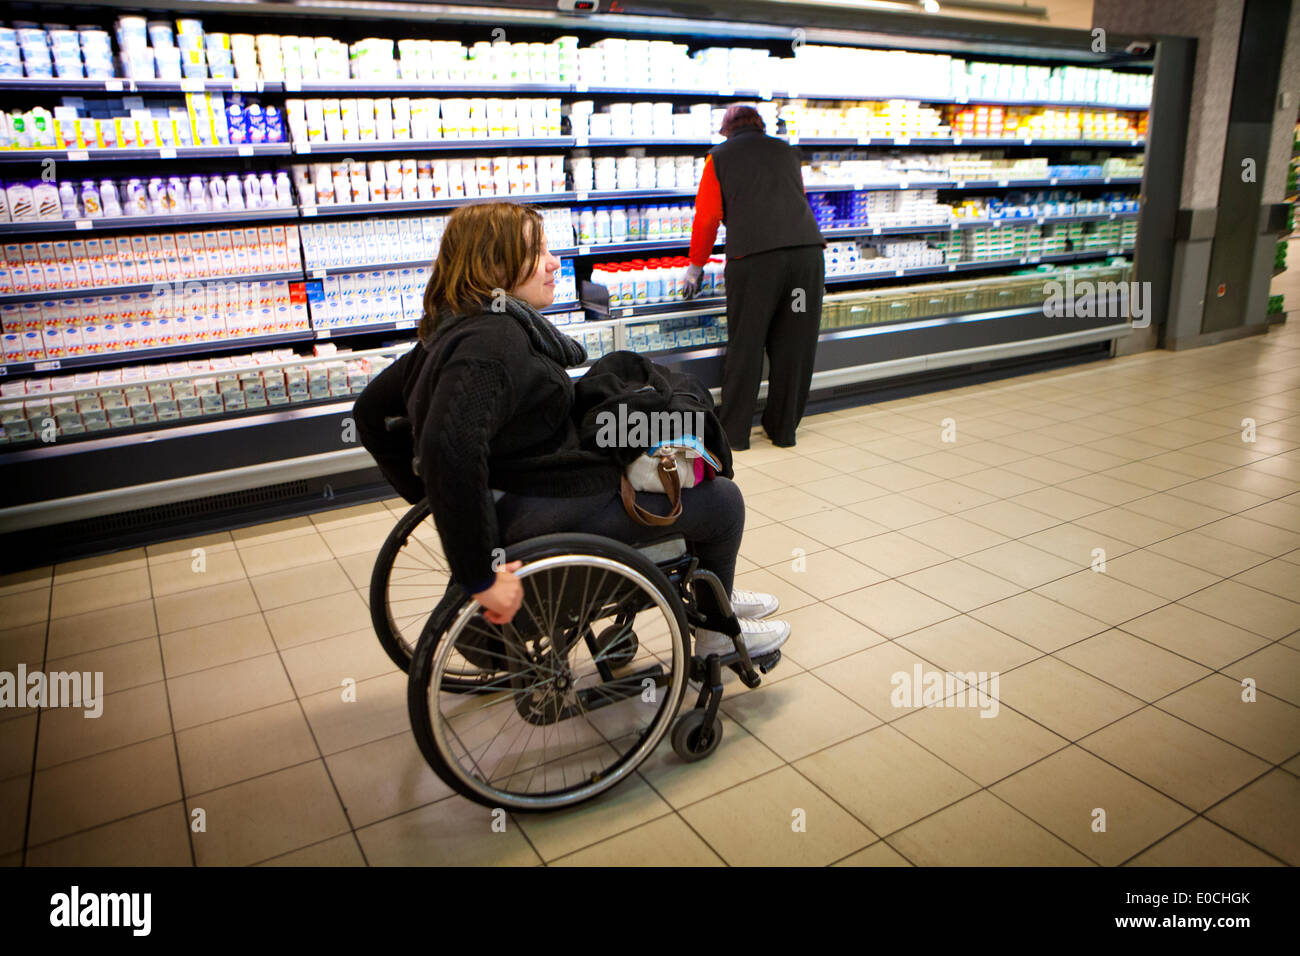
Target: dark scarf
{"x":546,"y":338}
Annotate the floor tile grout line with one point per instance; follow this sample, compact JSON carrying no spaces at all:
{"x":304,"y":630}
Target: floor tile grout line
{"x":36,"y":737}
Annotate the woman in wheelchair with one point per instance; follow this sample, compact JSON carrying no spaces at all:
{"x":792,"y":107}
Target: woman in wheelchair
{"x":491,"y":433}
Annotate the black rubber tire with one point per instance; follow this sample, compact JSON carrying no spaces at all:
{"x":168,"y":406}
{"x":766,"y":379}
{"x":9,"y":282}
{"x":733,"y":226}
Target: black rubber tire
{"x":534,"y":549}
{"x":686,"y":735}
{"x":385,"y":628}
{"x":625,"y":655}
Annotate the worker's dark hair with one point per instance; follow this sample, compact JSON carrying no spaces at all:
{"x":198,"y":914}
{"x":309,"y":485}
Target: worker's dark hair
{"x":741,"y":117}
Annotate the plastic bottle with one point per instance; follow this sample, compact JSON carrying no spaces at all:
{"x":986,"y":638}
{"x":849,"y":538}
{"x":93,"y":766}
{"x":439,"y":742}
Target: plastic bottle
{"x":175,"y":201}
{"x":602,"y":226}
{"x":198,"y":195}
{"x":266,"y":186}
{"x":234,"y":192}
{"x":618,"y":225}
{"x":672,"y":279}
{"x":283,"y":192}
{"x":157,"y":194}
{"x":656,"y":223}
{"x":586,"y":228}
{"x":90,"y":201}
{"x":654,"y":281}
{"x":640,"y":292}
{"x":68,"y":200}
{"x":216,"y":194}
{"x":633,"y":224}
{"x":252,"y":192}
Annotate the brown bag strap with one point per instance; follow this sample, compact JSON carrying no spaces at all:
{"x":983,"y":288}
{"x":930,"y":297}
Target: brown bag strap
{"x":672,"y":488}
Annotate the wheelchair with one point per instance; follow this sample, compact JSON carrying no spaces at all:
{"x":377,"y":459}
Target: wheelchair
{"x":566,"y":700}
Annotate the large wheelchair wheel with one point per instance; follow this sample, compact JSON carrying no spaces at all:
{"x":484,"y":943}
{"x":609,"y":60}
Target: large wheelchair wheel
{"x":408,"y":582}
{"x":588,"y":678}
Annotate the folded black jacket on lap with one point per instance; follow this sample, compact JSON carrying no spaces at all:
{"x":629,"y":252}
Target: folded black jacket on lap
{"x":491,"y":404}
{"x":626,"y":378}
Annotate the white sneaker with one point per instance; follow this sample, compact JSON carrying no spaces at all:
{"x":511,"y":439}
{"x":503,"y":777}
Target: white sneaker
{"x":753,"y":604}
{"x":761,"y":638}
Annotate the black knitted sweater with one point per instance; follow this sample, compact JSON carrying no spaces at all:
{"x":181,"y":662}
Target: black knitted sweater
{"x":490,"y":403}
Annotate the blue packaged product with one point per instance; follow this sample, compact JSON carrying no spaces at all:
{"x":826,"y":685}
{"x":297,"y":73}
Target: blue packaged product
{"x":274,"y":125}
{"x":235,"y":122}
{"x":255,"y":123}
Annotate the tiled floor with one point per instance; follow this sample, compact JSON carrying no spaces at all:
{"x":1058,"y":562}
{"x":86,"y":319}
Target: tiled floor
{"x":1148,"y":713}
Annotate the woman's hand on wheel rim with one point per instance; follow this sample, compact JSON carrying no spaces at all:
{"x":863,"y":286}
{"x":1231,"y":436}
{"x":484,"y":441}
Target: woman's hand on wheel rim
{"x":504,"y":598}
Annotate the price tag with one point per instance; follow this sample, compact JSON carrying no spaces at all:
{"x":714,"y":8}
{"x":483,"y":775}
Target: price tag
{"x":1029,"y":141}
{"x":78,"y":155}
{"x":84,"y":224}
{"x":112,"y":86}
{"x":1135,"y":142}
{"x":309,"y":210}
{"x":858,"y":187}
{"x":793,"y":140}
{"x":904,"y":184}
{"x":764,"y":94}
{"x":46,"y":366}
{"x":246,"y":86}
{"x":167,"y":152}
{"x":961,"y":100}
{"x":956,"y":140}
{"x":959,"y":184}
{"x":582,"y":195}
{"x":584,"y":250}
{"x":1105,"y":179}
{"x":902,"y":141}
{"x":302,"y":147}
{"x":792,"y":94}
{"x":192,"y":85}
{"x":864,"y":140}
{"x":1004,"y":183}
{"x":323,"y":333}
{"x":728,"y":91}
{"x":875,"y":230}
{"x":1052,"y":181}
{"x":1041,"y":220}
{"x":319,"y":273}
{"x":951,"y":267}
{"x":292,"y":86}
{"x":246,"y":150}
{"x":899,"y":272}
{"x":1033,"y":259}
{"x":580,"y":141}
{"x":624,"y":313}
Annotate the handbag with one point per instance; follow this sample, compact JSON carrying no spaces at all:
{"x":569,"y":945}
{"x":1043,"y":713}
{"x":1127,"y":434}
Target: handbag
{"x":666,"y":469}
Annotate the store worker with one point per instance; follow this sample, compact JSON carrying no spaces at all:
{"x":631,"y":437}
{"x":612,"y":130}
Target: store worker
{"x":774,"y":274}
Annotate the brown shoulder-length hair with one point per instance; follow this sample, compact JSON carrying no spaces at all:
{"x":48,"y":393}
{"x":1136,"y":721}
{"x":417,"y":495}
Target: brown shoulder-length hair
{"x":739,"y":117}
{"x":486,"y":248}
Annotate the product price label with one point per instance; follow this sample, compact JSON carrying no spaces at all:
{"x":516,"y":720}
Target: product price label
{"x":84,"y":224}
{"x":322,"y":333}
{"x":1041,"y":220}
{"x":584,"y":250}
{"x":727,"y":91}
{"x":246,"y":86}
{"x":292,"y":86}
{"x":1004,"y":183}
{"x":1033,"y":259}
{"x":1029,"y":141}
{"x":167,"y":152}
{"x":580,"y":141}
{"x":192,"y":85}
{"x":582,"y":195}
{"x":49,"y":366}
{"x":302,"y":147}
{"x":765,"y":94}
{"x":864,"y":140}
{"x":319,"y":273}
{"x":875,"y":231}
{"x":1106,"y":179}
{"x":793,"y":140}
{"x":309,"y":210}
{"x":959,"y":184}
{"x":956,"y":140}
{"x":904,"y":185}
{"x":112,"y":86}
{"x":1135,"y":142}
{"x":78,"y":155}
{"x":1052,"y":181}
{"x":1112,"y":216}
{"x":580,"y":87}
{"x":902,"y":140}
{"x":246,"y":150}
{"x":899,"y":272}
{"x":951,"y":267}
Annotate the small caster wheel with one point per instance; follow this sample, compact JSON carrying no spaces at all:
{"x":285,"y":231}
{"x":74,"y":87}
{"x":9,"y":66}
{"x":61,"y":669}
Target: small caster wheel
{"x":626,"y":648}
{"x":689,"y":736}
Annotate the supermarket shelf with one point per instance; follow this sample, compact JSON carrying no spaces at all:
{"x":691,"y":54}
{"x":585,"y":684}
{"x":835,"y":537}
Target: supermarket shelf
{"x":850,"y":141}
{"x":971,"y":266}
{"x":424,"y":205}
{"x":137,"y":153}
{"x":104,"y":359}
{"x":646,"y":141}
{"x":700,"y":306}
{"x":127,"y":85}
{"x":429,"y":145}
{"x":131,"y":222}
{"x":969,"y":184}
{"x":138,"y":287}
{"x":958,"y":224}
{"x":320,"y":272}
{"x":343,"y":331}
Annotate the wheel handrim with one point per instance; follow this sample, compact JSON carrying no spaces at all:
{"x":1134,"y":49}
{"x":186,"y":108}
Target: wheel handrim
{"x":476,"y":734}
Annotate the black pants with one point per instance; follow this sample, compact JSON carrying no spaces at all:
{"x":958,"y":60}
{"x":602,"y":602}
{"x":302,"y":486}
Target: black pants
{"x":774,"y":303}
{"x":712,"y":520}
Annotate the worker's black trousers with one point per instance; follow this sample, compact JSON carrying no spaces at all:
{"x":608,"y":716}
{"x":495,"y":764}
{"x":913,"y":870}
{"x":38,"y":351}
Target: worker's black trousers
{"x":774,"y":303}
